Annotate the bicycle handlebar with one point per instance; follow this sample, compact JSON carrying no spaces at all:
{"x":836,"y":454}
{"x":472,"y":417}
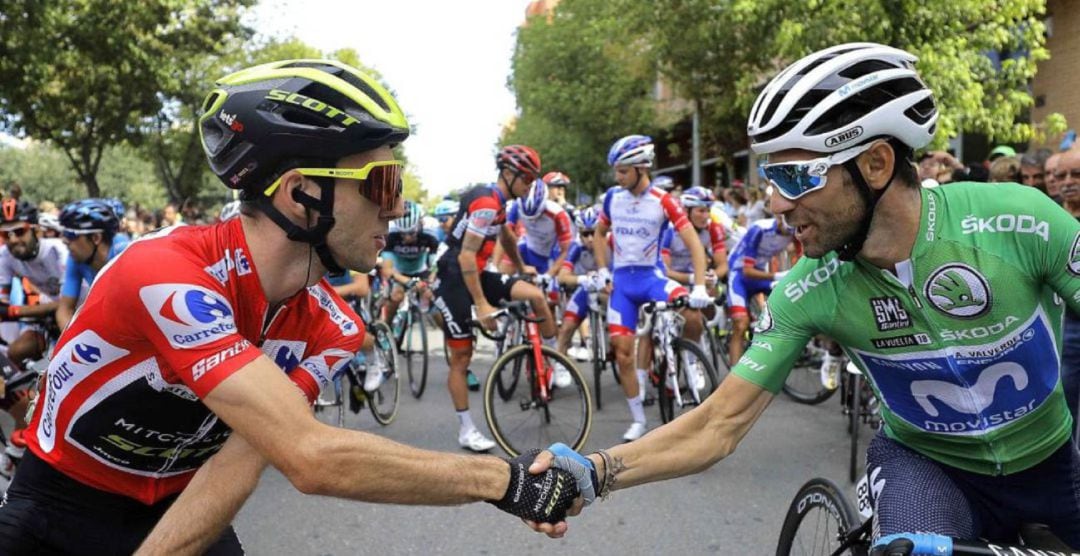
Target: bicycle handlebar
{"x":654,"y":306}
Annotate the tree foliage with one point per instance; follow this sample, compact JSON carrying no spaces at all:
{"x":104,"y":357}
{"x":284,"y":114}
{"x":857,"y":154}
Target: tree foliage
{"x":582,"y":79}
{"x":87,"y":74}
{"x":582,"y":76}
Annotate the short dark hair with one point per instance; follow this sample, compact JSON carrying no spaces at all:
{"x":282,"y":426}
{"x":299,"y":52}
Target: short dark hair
{"x":905,"y":163}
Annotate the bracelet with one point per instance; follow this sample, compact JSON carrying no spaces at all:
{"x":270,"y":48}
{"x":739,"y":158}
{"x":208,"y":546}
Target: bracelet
{"x":609,"y":475}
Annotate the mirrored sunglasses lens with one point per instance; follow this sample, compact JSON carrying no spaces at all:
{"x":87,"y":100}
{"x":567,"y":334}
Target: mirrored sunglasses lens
{"x":793,"y":180}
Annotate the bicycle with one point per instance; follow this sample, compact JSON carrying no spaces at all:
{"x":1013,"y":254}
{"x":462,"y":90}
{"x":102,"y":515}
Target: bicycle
{"x":602,"y":356}
{"x":860,"y":407}
{"x":804,"y":383}
{"x":820,"y":521}
{"x":715,"y":337}
{"x":410,"y":334}
{"x":674,"y":374}
{"x":538,"y":414}
{"x":383,"y":401}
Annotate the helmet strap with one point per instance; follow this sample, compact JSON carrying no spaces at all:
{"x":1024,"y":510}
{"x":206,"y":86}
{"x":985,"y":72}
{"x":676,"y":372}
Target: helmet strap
{"x":870,"y":199}
{"x":314,"y":236}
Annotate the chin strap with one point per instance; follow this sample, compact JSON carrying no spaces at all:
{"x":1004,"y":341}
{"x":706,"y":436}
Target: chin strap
{"x":854,"y":244}
{"x":314,"y":236}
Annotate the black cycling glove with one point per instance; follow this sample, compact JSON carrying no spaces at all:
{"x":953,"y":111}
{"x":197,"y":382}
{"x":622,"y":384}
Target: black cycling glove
{"x":541,"y":498}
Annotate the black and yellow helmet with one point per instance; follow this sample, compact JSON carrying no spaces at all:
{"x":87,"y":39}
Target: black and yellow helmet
{"x":260,"y":118}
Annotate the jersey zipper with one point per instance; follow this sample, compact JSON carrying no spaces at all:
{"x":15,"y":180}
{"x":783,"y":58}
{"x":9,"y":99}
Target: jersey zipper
{"x":956,"y":373}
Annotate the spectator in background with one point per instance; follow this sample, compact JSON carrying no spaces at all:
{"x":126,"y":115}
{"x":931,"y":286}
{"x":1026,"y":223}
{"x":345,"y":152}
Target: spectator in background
{"x":15,"y":190}
{"x":1053,"y":186}
{"x":169,"y":216}
{"x":1001,"y":151}
{"x":937,"y":168}
{"x":1005,"y":169}
{"x":1067,"y":175}
{"x":975,"y":171}
{"x":1032,"y":173}
{"x":736,"y":196}
{"x":754,"y":209}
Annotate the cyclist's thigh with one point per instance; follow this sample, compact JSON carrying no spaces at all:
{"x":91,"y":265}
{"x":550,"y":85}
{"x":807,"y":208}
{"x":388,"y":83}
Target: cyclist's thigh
{"x":621,"y":312}
{"x":496,"y":286}
{"x":911,"y":493}
{"x":455,"y":305}
{"x":23,"y":527}
{"x":661,"y":288}
{"x":1047,"y":493}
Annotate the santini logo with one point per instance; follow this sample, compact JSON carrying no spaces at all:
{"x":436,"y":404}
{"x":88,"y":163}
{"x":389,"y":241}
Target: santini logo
{"x":844,"y":136}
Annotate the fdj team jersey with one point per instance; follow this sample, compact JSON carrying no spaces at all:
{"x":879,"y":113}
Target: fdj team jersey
{"x":548,"y":231}
{"x":672,"y":245}
{"x":637,"y":222}
{"x":411,"y":259}
{"x":45,"y":271}
{"x":762,"y":242}
{"x":963,"y":348}
{"x":121,"y":409}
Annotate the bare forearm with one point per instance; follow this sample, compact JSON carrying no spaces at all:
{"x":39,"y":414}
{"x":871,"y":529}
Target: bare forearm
{"x":208,"y":504}
{"x":42,"y":310}
{"x":65,"y":311}
{"x":471,"y":277}
{"x":508,"y":241}
{"x":755,"y":274}
{"x":370,"y":468}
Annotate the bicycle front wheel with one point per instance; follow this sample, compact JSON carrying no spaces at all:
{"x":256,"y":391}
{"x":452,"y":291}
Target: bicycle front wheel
{"x":693,"y":381}
{"x":415,"y":352}
{"x":527,"y":419}
{"x":817,"y":521}
{"x":803,"y":383}
{"x":383,"y":401}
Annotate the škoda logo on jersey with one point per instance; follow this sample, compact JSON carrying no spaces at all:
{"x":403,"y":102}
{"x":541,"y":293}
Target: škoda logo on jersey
{"x":1074,"y":256}
{"x":189,"y":316}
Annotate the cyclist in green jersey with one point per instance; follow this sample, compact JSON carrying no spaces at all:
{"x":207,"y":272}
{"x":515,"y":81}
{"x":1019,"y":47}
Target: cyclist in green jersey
{"x":949,"y":300}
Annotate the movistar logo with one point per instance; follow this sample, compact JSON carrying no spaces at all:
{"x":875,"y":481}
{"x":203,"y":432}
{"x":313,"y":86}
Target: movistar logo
{"x":972,"y":401}
{"x":958,"y":290}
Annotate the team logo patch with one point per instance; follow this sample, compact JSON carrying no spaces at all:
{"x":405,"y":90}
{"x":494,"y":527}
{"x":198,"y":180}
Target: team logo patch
{"x":889,"y":313}
{"x":188,"y":315}
{"x":764,"y":322}
{"x":70,"y":365}
{"x":970,"y":389}
{"x":326,"y":364}
{"x":1074,"y":256}
{"x":326,"y":302}
{"x":959,"y":291}
{"x":286,"y":354}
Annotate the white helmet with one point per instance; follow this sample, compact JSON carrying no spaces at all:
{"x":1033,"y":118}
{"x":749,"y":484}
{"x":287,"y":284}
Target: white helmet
{"x":839,"y":97}
{"x":50,"y":221}
{"x":230,"y":210}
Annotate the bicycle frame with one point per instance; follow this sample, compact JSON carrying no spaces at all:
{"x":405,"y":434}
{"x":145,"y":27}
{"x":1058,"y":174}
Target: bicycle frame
{"x":665,"y":324}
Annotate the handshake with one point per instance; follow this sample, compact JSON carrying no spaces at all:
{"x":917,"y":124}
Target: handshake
{"x":545,"y":487}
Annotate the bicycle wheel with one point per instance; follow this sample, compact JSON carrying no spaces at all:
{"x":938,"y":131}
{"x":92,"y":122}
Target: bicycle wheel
{"x":415,"y":351}
{"x":507,"y":382}
{"x":383,"y":401}
{"x":527,"y":420}
{"x":690,"y":396}
{"x":599,"y":358}
{"x":717,"y":351}
{"x":817,"y":520}
{"x":803,"y":383}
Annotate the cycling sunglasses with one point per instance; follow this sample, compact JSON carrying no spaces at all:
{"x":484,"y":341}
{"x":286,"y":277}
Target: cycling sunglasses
{"x":16,"y":231}
{"x":380,"y":181}
{"x":797,"y":178}
{"x":71,"y":235}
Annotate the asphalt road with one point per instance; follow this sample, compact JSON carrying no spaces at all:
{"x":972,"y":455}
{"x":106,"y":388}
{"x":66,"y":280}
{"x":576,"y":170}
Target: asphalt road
{"x":736,"y":507}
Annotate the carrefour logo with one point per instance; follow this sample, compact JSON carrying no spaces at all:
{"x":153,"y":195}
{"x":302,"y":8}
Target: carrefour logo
{"x":959,"y":291}
{"x":85,"y":354}
{"x":188,"y":315}
{"x":969,"y":390}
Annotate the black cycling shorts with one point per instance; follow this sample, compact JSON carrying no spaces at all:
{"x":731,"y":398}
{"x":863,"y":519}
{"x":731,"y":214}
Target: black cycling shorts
{"x":47,"y":512}
{"x":453,"y":300}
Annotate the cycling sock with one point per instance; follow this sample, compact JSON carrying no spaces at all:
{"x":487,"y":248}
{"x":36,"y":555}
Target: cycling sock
{"x":465,"y":419}
{"x":637,"y":408}
{"x":550,"y":342}
{"x":642,"y":380}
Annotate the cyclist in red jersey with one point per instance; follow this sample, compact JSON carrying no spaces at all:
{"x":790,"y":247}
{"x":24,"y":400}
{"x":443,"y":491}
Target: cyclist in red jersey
{"x":198,"y":352}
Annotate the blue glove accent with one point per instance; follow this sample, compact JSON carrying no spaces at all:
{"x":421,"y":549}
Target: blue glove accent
{"x":579,"y":466}
{"x":924,"y":544}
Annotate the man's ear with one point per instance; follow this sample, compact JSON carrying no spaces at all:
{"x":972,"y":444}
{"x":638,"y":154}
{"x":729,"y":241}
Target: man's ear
{"x":288,"y":194}
{"x":877,"y":164}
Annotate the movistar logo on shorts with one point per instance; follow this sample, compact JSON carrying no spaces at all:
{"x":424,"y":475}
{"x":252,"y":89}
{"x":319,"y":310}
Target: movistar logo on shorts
{"x":959,"y":291}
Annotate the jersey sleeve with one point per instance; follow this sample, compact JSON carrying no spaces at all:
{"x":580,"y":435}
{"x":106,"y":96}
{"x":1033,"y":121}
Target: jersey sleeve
{"x":750,"y":246}
{"x":513,"y":215}
{"x":184,"y":313}
{"x":6,"y":273}
{"x":675,"y":213}
{"x":716,"y":237}
{"x":573,"y":256}
{"x":781,"y":333}
{"x":336,"y":341}
{"x":1061,"y":259}
{"x":482,"y":213}
{"x":605,"y":208}
{"x":563,"y":233}
{"x":72,"y":280}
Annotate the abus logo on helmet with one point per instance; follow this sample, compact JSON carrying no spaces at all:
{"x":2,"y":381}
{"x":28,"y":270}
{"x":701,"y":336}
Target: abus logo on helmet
{"x":188,"y":315}
{"x":844,"y":136}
